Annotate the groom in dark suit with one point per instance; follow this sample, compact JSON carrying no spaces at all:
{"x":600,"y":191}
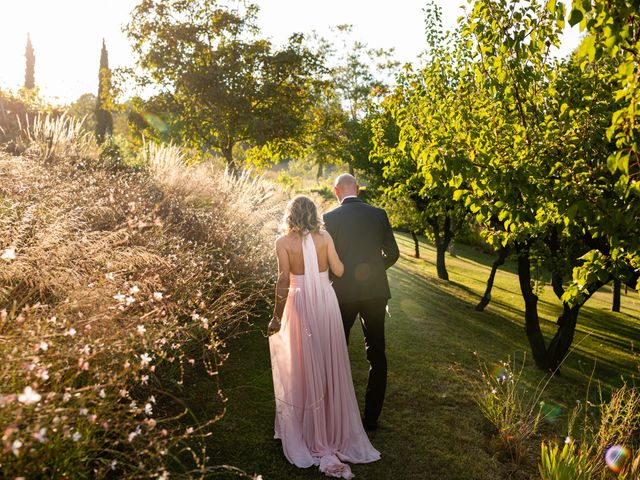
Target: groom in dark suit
{"x":366,"y":245}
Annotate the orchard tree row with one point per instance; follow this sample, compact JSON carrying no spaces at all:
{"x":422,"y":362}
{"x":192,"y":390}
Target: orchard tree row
{"x":540,"y":153}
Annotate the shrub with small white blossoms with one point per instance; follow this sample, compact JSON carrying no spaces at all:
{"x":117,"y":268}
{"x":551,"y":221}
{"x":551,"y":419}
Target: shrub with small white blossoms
{"x":113,"y":286}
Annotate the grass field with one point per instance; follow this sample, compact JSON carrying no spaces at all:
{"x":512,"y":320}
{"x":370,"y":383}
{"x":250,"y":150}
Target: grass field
{"x":430,"y":426}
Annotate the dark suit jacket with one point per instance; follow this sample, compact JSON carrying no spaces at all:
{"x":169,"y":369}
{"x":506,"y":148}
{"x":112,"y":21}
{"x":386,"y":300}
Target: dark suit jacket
{"x":366,"y":245}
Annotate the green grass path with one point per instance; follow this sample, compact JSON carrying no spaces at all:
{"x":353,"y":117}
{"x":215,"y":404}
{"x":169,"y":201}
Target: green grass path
{"x":430,"y":427}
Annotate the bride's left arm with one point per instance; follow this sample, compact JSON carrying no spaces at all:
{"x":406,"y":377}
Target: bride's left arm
{"x":282,"y":286}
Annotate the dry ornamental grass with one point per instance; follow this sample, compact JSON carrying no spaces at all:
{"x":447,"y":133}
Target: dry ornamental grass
{"x":113,"y":284}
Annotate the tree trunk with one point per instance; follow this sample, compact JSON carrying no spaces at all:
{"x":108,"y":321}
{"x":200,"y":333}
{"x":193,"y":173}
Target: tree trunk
{"x":351,"y":169}
{"x":486,"y":298}
{"x":562,"y":340}
{"x":532,"y":321}
{"x":320,"y":170}
{"x":416,"y":243}
{"x":227,"y":153}
{"x":616,"y":295}
{"x":443,"y":239}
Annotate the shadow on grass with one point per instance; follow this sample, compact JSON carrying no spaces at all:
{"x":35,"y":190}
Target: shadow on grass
{"x":430,"y":426}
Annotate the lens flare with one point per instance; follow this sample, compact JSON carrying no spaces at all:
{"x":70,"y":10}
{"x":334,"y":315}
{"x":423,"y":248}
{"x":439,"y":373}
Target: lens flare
{"x":617,"y":457}
{"x":551,"y":412}
{"x":155,"y":121}
{"x":500,"y":374}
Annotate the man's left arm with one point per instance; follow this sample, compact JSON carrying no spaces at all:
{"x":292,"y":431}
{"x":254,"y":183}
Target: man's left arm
{"x":389,"y":246}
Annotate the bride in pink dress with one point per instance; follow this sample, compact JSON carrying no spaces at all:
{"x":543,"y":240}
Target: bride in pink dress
{"x":317,"y":415}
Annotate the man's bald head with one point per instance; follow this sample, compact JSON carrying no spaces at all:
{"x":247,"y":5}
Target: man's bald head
{"x":345,"y":185}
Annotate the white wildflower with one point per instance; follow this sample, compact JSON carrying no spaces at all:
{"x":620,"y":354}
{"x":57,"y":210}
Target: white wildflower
{"x":567,"y":440}
{"x":66,"y":397}
{"x":145,"y":359}
{"x":119,"y":297}
{"x":134,"y":434}
{"x":134,"y":290}
{"x":102,"y":393}
{"x":157,"y":296}
{"x":144,"y":379}
{"x":44,"y":374}
{"x":109,"y":276}
{"x":148,"y":409}
{"x":76,"y":436}
{"x":15,"y":447}
{"x":9,"y":254}
{"x":29,"y":396}
{"x":113,"y":464}
{"x":44,"y":346}
{"x":141,"y":329}
{"x":41,"y":436}
{"x":71,"y":332}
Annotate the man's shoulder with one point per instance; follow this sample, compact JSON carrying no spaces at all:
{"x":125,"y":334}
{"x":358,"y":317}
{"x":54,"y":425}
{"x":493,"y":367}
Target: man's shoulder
{"x":333,"y":212}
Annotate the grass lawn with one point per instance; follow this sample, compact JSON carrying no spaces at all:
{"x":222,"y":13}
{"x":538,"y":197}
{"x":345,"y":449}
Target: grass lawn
{"x":430,"y":426}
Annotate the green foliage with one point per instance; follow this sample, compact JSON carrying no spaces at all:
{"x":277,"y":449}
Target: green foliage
{"x":84,"y":108}
{"x":415,"y":142}
{"x":29,"y":72}
{"x":614,"y":36}
{"x":221,"y":82}
{"x":104,"y":101}
{"x":495,"y":127}
{"x":567,"y":463}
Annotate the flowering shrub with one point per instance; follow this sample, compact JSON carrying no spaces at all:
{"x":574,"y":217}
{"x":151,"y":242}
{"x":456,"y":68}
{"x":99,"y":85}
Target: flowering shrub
{"x":507,"y":406}
{"x":113,"y":285}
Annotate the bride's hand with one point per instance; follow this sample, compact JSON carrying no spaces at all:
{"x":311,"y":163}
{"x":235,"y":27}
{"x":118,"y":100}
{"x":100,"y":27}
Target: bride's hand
{"x":274,"y":326}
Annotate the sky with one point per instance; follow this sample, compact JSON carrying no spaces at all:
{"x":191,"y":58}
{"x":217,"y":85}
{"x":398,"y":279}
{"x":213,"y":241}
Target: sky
{"x":67,"y":34}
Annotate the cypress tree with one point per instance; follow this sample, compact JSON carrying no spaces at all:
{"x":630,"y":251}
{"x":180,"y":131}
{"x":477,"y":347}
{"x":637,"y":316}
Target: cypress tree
{"x":29,"y":73}
{"x":104,"y":120}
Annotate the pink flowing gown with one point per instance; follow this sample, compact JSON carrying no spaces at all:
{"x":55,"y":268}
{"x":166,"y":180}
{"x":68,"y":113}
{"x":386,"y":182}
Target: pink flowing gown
{"x":317,"y":414}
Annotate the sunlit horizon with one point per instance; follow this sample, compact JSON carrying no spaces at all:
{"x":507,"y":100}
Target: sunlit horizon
{"x":67,"y":35}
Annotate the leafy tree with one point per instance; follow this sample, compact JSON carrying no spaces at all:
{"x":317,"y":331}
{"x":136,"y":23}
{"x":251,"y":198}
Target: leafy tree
{"x":325,"y":134}
{"x":417,"y":164}
{"x":104,"y":119}
{"x":224,"y":84}
{"x":614,"y":28}
{"x":85,"y":108}
{"x":359,"y":76}
{"x":29,"y":73}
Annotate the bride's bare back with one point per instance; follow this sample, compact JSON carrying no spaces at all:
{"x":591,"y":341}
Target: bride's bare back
{"x":291,"y":260}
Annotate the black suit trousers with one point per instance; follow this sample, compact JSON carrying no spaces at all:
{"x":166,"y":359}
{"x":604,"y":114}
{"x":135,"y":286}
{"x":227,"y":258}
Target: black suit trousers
{"x":372,"y":313}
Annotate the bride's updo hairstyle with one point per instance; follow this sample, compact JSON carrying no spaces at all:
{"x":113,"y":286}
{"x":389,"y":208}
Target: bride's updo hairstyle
{"x":301,"y":215}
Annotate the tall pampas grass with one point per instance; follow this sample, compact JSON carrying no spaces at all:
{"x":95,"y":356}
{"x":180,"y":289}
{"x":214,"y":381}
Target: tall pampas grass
{"x":115,"y":288}
{"x":54,"y":137}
